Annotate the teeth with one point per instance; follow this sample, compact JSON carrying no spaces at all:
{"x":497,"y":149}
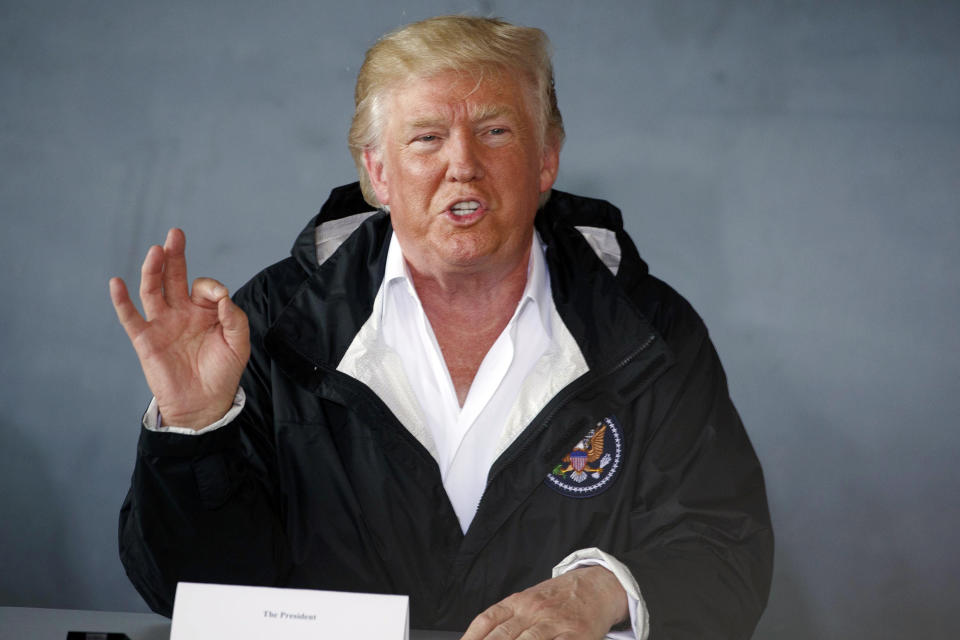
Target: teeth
{"x":464,"y":208}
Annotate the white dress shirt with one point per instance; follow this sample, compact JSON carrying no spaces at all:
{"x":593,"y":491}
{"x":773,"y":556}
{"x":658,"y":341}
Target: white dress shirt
{"x":465,"y":438}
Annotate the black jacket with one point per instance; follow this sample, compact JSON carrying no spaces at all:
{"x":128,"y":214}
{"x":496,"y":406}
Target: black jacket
{"x":316,"y":484}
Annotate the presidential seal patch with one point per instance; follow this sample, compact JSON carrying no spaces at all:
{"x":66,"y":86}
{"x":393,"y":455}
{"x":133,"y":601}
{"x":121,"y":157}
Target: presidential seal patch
{"x":591,"y":466}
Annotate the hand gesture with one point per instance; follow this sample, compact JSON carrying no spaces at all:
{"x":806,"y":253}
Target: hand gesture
{"x":581,"y":604}
{"x":193,"y":345}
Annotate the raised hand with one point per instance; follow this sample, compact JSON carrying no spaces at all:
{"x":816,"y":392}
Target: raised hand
{"x":193,"y":345}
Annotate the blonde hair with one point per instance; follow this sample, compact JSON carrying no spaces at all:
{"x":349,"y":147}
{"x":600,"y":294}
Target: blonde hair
{"x":451,"y":43}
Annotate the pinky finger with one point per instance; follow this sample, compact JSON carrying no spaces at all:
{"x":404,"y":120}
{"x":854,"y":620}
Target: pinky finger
{"x":131,"y":320}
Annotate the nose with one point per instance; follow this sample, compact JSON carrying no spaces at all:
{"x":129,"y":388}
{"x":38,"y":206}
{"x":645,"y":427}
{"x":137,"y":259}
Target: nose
{"x":463,"y":161}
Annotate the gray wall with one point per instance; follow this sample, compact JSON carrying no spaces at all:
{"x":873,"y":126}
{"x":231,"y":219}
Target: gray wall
{"x":792,"y":167}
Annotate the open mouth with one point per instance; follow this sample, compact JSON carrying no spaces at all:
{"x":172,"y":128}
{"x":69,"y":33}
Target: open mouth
{"x":465,"y":208}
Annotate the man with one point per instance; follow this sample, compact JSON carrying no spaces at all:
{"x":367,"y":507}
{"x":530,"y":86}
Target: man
{"x":447,"y":391}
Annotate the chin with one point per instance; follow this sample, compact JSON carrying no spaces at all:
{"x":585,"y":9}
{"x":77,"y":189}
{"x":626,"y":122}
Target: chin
{"x":466,"y":253}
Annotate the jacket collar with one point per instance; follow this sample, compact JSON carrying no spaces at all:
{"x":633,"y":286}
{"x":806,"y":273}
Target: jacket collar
{"x":324,"y":314}
{"x":592,"y":300}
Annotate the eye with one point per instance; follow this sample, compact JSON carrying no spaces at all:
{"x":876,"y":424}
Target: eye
{"x":497,"y":136}
{"x":427,"y":138}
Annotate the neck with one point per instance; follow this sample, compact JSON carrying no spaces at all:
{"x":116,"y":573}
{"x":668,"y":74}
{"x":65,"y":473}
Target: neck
{"x":467,"y":313}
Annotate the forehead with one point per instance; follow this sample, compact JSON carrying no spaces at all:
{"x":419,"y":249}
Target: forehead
{"x":454,"y":94}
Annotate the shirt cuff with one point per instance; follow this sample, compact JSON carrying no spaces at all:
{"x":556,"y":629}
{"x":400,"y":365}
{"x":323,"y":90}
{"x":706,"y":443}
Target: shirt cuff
{"x":639,"y":617}
{"x":152,"y":420}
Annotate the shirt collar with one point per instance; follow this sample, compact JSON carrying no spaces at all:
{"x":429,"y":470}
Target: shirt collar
{"x":536,"y":291}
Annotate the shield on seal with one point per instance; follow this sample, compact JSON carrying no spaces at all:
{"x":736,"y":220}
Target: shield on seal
{"x":578,"y":459}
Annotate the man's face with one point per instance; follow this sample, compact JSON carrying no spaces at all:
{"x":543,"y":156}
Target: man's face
{"x":462,"y":167}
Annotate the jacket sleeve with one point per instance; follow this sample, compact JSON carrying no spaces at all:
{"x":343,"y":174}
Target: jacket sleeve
{"x":203,"y":508}
{"x":701,"y":545}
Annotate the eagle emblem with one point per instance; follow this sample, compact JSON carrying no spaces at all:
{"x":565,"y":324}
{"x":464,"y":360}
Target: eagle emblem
{"x":587,"y":452}
{"x":590,"y":466}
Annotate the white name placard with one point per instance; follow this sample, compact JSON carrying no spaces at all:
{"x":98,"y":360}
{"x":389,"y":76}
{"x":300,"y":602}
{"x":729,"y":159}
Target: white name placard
{"x":215,"y":611}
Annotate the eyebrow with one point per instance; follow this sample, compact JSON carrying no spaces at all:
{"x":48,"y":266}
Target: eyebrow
{"x":478,"y":113}
{"x":489,"y":111}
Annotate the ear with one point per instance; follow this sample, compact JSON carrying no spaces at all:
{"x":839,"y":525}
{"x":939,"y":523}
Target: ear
{"x":373,"y":163}
{"x":549,"y":166}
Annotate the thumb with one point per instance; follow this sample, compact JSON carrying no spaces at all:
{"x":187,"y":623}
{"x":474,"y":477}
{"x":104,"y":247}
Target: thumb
{"x":236,"y":329}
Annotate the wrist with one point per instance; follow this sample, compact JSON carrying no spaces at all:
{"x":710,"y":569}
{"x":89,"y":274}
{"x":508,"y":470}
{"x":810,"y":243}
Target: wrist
{"x":614,"y":596}
{"x":196,"y":421}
